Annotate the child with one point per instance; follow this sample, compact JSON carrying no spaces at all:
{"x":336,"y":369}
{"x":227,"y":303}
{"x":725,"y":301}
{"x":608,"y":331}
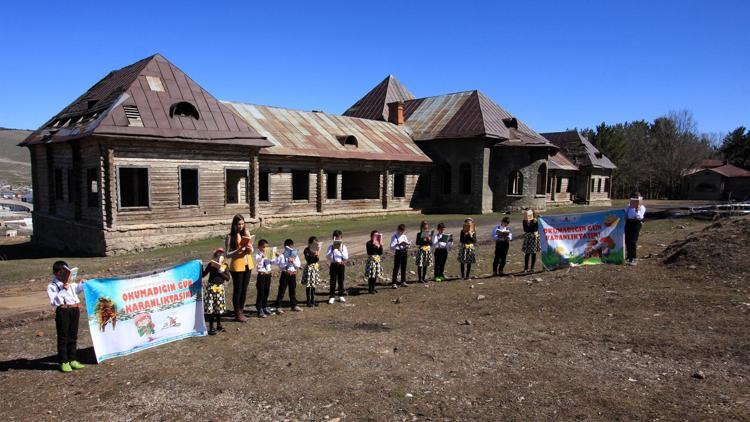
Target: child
{"x":63,"y":295}
{"x":263,"y":285}
{"x":337,"y":255}
{"x":311,"y":273}
{"x":502,"y":236}
{"x":288,"y":262}
{"x":440,"y":245}
{"x":424,"y":253}
{"x":373,"y":268}
{"x":634,"y":214}
{"x":214,"y":302}
{"x":531,"y":243}
{"x":467,"y":254}
{"x":399,"y":245}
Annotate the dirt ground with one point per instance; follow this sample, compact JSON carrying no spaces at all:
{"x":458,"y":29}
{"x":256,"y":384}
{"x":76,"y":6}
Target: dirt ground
{"x":656,"y":341}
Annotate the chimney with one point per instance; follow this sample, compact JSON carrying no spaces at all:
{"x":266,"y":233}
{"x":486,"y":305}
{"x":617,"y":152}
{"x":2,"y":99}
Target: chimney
{"x":396,"y":113}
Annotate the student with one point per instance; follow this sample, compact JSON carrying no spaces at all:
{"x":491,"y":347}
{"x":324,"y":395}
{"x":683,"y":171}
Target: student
{"x":214,"y":301}
{"x":311,"y":273}
{"x":441,"y":252}
{"x":263,"y":283}
{"x":373,"y":268}
{"x":502,"y":236}
{"x":634,"y":214}
{"x":424,"y":251}
{"x":337,"y":255}
{"x":241,"y":265}
{"x":467,"y":254}
{"x":531,"y":243}
{"x":399,"y":245}
{"x":63,"y":295}
{"x":288,"y":262}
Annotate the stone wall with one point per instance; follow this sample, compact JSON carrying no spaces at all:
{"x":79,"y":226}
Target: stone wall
{"x":506,"y":160}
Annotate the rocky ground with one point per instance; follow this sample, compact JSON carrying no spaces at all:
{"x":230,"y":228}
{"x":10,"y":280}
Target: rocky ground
{"x":657,"y":341}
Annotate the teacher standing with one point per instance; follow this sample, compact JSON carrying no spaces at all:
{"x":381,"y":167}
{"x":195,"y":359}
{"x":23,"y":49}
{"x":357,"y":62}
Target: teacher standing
{"x":241,"y":265}
{"x":634,"y":214}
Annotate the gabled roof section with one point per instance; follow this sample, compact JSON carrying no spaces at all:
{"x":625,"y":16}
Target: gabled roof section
{"x":560,"y":162}
{"x":374,"y":105}
{"x":468,"y":114}
{"x":728,"y":170}
{"x":578,"y":148}
{"x":318,"y":134}
{"x":148,"y":99}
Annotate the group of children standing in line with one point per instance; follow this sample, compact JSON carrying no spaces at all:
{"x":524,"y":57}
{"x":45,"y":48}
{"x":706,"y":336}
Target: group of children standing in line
{"x":432,"y":247}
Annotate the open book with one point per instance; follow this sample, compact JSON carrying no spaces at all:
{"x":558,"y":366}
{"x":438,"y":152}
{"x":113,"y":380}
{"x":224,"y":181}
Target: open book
{"x":378,"y":238}
{"x":423,"y":235}
{"x":68,"y":275}
{"x":247,"y":241}
{"x":501,"y":234}
{"x":316,"y":246}
{"x":446,"y":238}
{"x":218,"y":264}
{"x":337,"y":244}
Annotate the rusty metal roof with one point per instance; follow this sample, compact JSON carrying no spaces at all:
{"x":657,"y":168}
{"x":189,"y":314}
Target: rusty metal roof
{"x":138,"y":101}
{"x":578,"y":148}
{"x":374,"y":105}
{"x":318,"y":134}
{"x":560,"y":162}
{"x":728,"y":170}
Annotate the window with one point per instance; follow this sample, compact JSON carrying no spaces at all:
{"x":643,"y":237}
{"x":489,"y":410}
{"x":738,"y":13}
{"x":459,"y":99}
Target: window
{"x":189,"y":187}
{"x":92,"y":188}
{"x":360,"y":185}
{"x":155,"y":83}
{"x":599,"y":185}
{"x":464,"y":179}
{"x":133,"y":187}
{"x":59,"y":184}
{"x":332,"y":185}
{"x":558,"y":187}
{"x":300,"y":185}
{"x":263,"y":184}
{"x":549,"y":183}
{"x":446,"y":173}
{"x":236,"y":186}
{"x":133,"y":115}
{"x":424,"y":185}
{"x":515,"y":183}
{"x":183,"y":108}
{"x":541,"y":179}
{"x":71,"y":186}
{"x":399,"y":185}
{"x":606,"y":185}
{"x":593,"y":185}
{"x":348,"y":141}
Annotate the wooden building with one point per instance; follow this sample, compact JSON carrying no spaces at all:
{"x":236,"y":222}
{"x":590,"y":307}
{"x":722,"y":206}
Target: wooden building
{"x":561,"y":180}
{"x":593,"y":180}
{"x":716,"y":180}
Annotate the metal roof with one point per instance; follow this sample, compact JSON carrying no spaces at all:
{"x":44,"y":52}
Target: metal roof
{"x":374,"y":105}
{"x":138,"y":100}
{"x":560,"y":162}
{"x":728,"y":170}
{"x":578,"y":148}
{"x":318,"y":134}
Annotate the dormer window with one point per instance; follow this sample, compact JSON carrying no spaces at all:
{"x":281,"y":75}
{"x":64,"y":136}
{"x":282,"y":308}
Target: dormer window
{"x":348,"y":141}
{"x":511,"y":123}
{"x":184,"y":108}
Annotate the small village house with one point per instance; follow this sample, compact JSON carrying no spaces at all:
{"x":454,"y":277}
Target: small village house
{"x":716,"y":180}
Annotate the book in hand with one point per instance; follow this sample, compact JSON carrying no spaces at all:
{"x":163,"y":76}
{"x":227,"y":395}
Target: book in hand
{"x":290,"y":254}
{"x":446,"y":238}
{"x":316,"y":246}
{"x":274,"y":251}
{"x":378,"y":238}
{"x":68,"y":275}
{"x":502,"y":235}
{"x":337,"y":244}
{"x":247,"y":241}
{"x":218,"y":265}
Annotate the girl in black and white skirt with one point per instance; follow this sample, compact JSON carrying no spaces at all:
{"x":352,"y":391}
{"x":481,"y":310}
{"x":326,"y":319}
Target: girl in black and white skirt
{"x":467,"y":254}
{"x":424,"y":251}
{"x":531,"y":245}
{"x":373,"y":267}
{"x":311,"y":273}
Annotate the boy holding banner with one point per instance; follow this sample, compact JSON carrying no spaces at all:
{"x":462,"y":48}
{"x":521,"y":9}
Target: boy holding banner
{"x":634,"y":214}
{"x":63,"y":295}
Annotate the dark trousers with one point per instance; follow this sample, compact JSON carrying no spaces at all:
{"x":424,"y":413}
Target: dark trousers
{"x":240,"y":280}
{"x":501,"y":256}
{"x":337,"y":278}
{"x":441,"y":255}
{"x":263,"y":287}
{"x":399,"y":264}
{"x":632,"y":230}
{"x":66,"y":324}
{"x":287,"y":280}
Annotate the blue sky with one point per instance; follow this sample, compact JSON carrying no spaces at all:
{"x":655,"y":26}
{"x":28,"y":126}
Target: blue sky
{"x":553,"y":64}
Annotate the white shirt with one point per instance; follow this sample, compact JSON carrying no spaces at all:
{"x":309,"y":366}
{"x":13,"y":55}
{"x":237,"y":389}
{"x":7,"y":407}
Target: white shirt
{"x":58,"y":295}
{"x":501,"y":229}
{"x":396,"y":241}
{"x":437,"y":244}
{"x":635,"y":214}
{"x":337,"y":255}
{"x":262,"y":264}
{"x":286,"y":262}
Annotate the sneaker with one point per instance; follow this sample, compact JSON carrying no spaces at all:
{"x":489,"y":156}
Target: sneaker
{"x":220,"y":329}
{"x":262,"y":314}
{"x":634,"y":262}
{"x":315,"y":304}
{"x":268,"y":311}
{"x":297,"y":309}
{"x":404,"y":284}
{"x":65,"y":367}
{"x":211,"y":332}
{"x":76,"y":365}
{"x":331,"y":300}
{"x":342,"y":299}
{"x":394,"y":286}
{"x":279,"y":311}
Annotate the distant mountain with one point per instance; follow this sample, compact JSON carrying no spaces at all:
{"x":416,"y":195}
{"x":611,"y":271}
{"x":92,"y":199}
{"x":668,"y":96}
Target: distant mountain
{"x":15,"y":163}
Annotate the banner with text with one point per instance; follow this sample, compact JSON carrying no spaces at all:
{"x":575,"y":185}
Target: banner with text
{"x":582,"y":239}
{"x":130,"y":314}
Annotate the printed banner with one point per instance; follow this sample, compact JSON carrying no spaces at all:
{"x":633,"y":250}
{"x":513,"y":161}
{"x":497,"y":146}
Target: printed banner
{"x":130,"y":314}
{"x":583,"y":239}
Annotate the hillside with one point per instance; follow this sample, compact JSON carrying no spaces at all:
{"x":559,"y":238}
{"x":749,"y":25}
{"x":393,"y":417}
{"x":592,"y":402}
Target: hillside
{"x":15,"y":166}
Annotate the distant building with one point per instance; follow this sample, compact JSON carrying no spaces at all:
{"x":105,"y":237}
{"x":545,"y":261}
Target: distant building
{"x":716,"y":180}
